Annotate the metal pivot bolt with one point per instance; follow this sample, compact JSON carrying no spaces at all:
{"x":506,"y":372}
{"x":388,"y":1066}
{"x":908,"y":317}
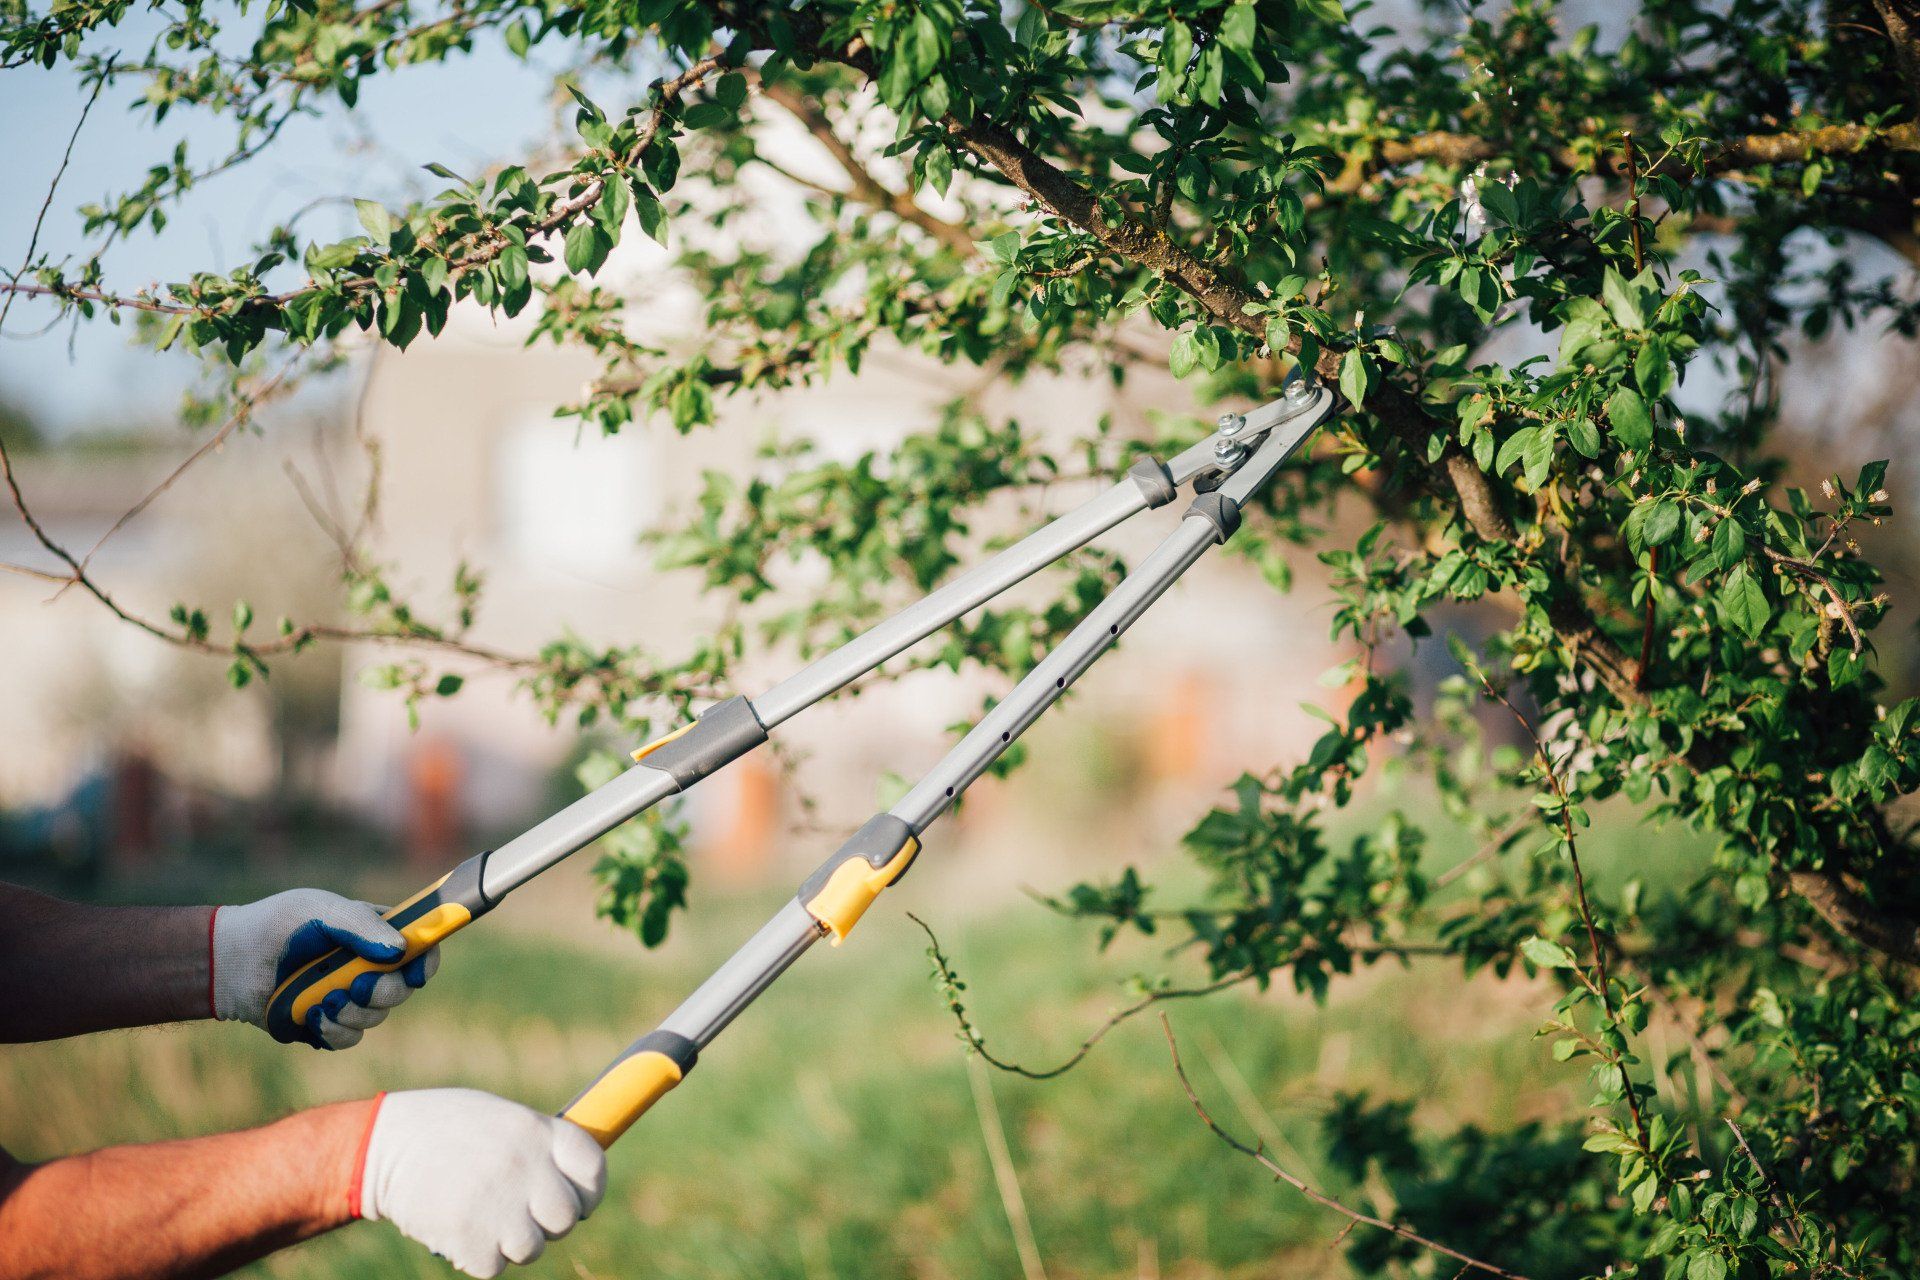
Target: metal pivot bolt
{"x":1228,"y":450}
{"x":1298,"y":390}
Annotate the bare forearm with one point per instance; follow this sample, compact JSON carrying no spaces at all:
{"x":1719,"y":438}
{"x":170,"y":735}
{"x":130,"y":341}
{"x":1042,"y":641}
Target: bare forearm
{"x":174,"y":1210}
{"x":71,"y":968}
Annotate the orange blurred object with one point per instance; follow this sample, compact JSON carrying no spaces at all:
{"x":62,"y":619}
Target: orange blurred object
{"x":741,"y":847}
{"x":435,"y":771}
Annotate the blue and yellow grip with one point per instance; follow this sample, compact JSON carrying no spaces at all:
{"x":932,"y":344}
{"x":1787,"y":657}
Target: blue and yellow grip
{"x":638,"y":1078}
{"x":438,"y":911}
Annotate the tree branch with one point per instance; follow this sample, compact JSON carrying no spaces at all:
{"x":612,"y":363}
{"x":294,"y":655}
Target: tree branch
{"x":1843,"y":907}
{"x":1601,"y":984}
{"x":951,"y":986}
{"x":1725,"y":158}
{"x":246,"y":402}
{"x":867,"y":189}
{"x":1902,"y":20}
{"x":39,"y":220}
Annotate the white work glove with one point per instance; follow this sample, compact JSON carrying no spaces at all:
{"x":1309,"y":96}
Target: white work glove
{"x":257,"y":945}
{"x":477,"y":1179}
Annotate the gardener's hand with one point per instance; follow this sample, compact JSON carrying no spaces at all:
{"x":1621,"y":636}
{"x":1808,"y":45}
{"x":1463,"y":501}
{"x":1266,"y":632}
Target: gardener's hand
{"x":477,"y":1179}
{"x":257,"y":945}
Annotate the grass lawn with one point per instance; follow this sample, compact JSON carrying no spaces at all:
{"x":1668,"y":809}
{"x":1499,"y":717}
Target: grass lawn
{"x":834,"y":1131}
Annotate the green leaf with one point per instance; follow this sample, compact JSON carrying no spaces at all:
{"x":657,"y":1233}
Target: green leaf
{"x":1729,"y":543}
{"x":652,"y":214}
{"x":939,"y":169}
{"x":433,"y":274}
{"x":586,"y":247}
{"x":448,"y":685}
{"x":332,"y":257}
{"x":1548,"y":955}
{"x":375,"y":218}
{"x":1184,"y":355}
{"x":1537,"y":458}
{"x":611,"y":211}
{"x":1707,"y":1266}
{"x":1499,"y":201}
{"x":1356,"y":376}
{"x":705,"y":115}
{"x":1238,"y":28}
{"x":586,"y":104}
{"x":1743,"y":604}
{"x":1514,"y":448}
{"x":1610,"y":1141}
{"x":1632,"y":424}
{"x":1653,"y":370}
{"x":1584,"y":436}
{"x":1620,"y":300}
{"x":1660,"y":521}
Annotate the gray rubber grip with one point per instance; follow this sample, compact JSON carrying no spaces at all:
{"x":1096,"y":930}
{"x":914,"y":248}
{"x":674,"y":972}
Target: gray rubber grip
{"x":1155,"y":482}
{"x":1222,"y":512}
{"x":723,"y":733}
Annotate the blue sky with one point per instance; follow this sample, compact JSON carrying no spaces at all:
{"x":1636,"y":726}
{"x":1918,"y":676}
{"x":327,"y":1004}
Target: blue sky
{"x":464,"y":114}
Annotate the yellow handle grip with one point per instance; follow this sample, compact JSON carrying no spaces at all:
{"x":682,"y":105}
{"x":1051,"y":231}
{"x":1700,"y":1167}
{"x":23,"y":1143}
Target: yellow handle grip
{"x":437,"y":912}
{"x":840,"y":892}
{"x":625,"y":1091}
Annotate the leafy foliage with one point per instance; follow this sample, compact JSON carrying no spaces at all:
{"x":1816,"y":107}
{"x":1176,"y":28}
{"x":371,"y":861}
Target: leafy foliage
{"x":1233,"y":188}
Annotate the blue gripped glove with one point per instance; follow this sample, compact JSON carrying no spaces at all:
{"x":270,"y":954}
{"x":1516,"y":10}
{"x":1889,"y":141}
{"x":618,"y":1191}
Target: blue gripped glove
{"x":255,"y":946}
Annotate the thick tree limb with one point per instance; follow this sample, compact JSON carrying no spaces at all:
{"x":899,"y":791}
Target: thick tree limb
{"x":1841,"y":906}
{"x":1727,"y":157}
{"x":1902,"y":21}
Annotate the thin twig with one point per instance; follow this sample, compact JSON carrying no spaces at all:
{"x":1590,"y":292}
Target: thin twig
{"x":288,"y":642}
{"x":246,"y":403}
{"x":1308,"y":1190}
{"x":950,"y":981}
{"x":1633,"y":203}
{"x":1808,"y":570}
{"x":1774,"y":1197}
{"x":1485,"y":853}
{"x":66,"y":158}
{"x":1601,"y":978}
{"x":1645,"y":672}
